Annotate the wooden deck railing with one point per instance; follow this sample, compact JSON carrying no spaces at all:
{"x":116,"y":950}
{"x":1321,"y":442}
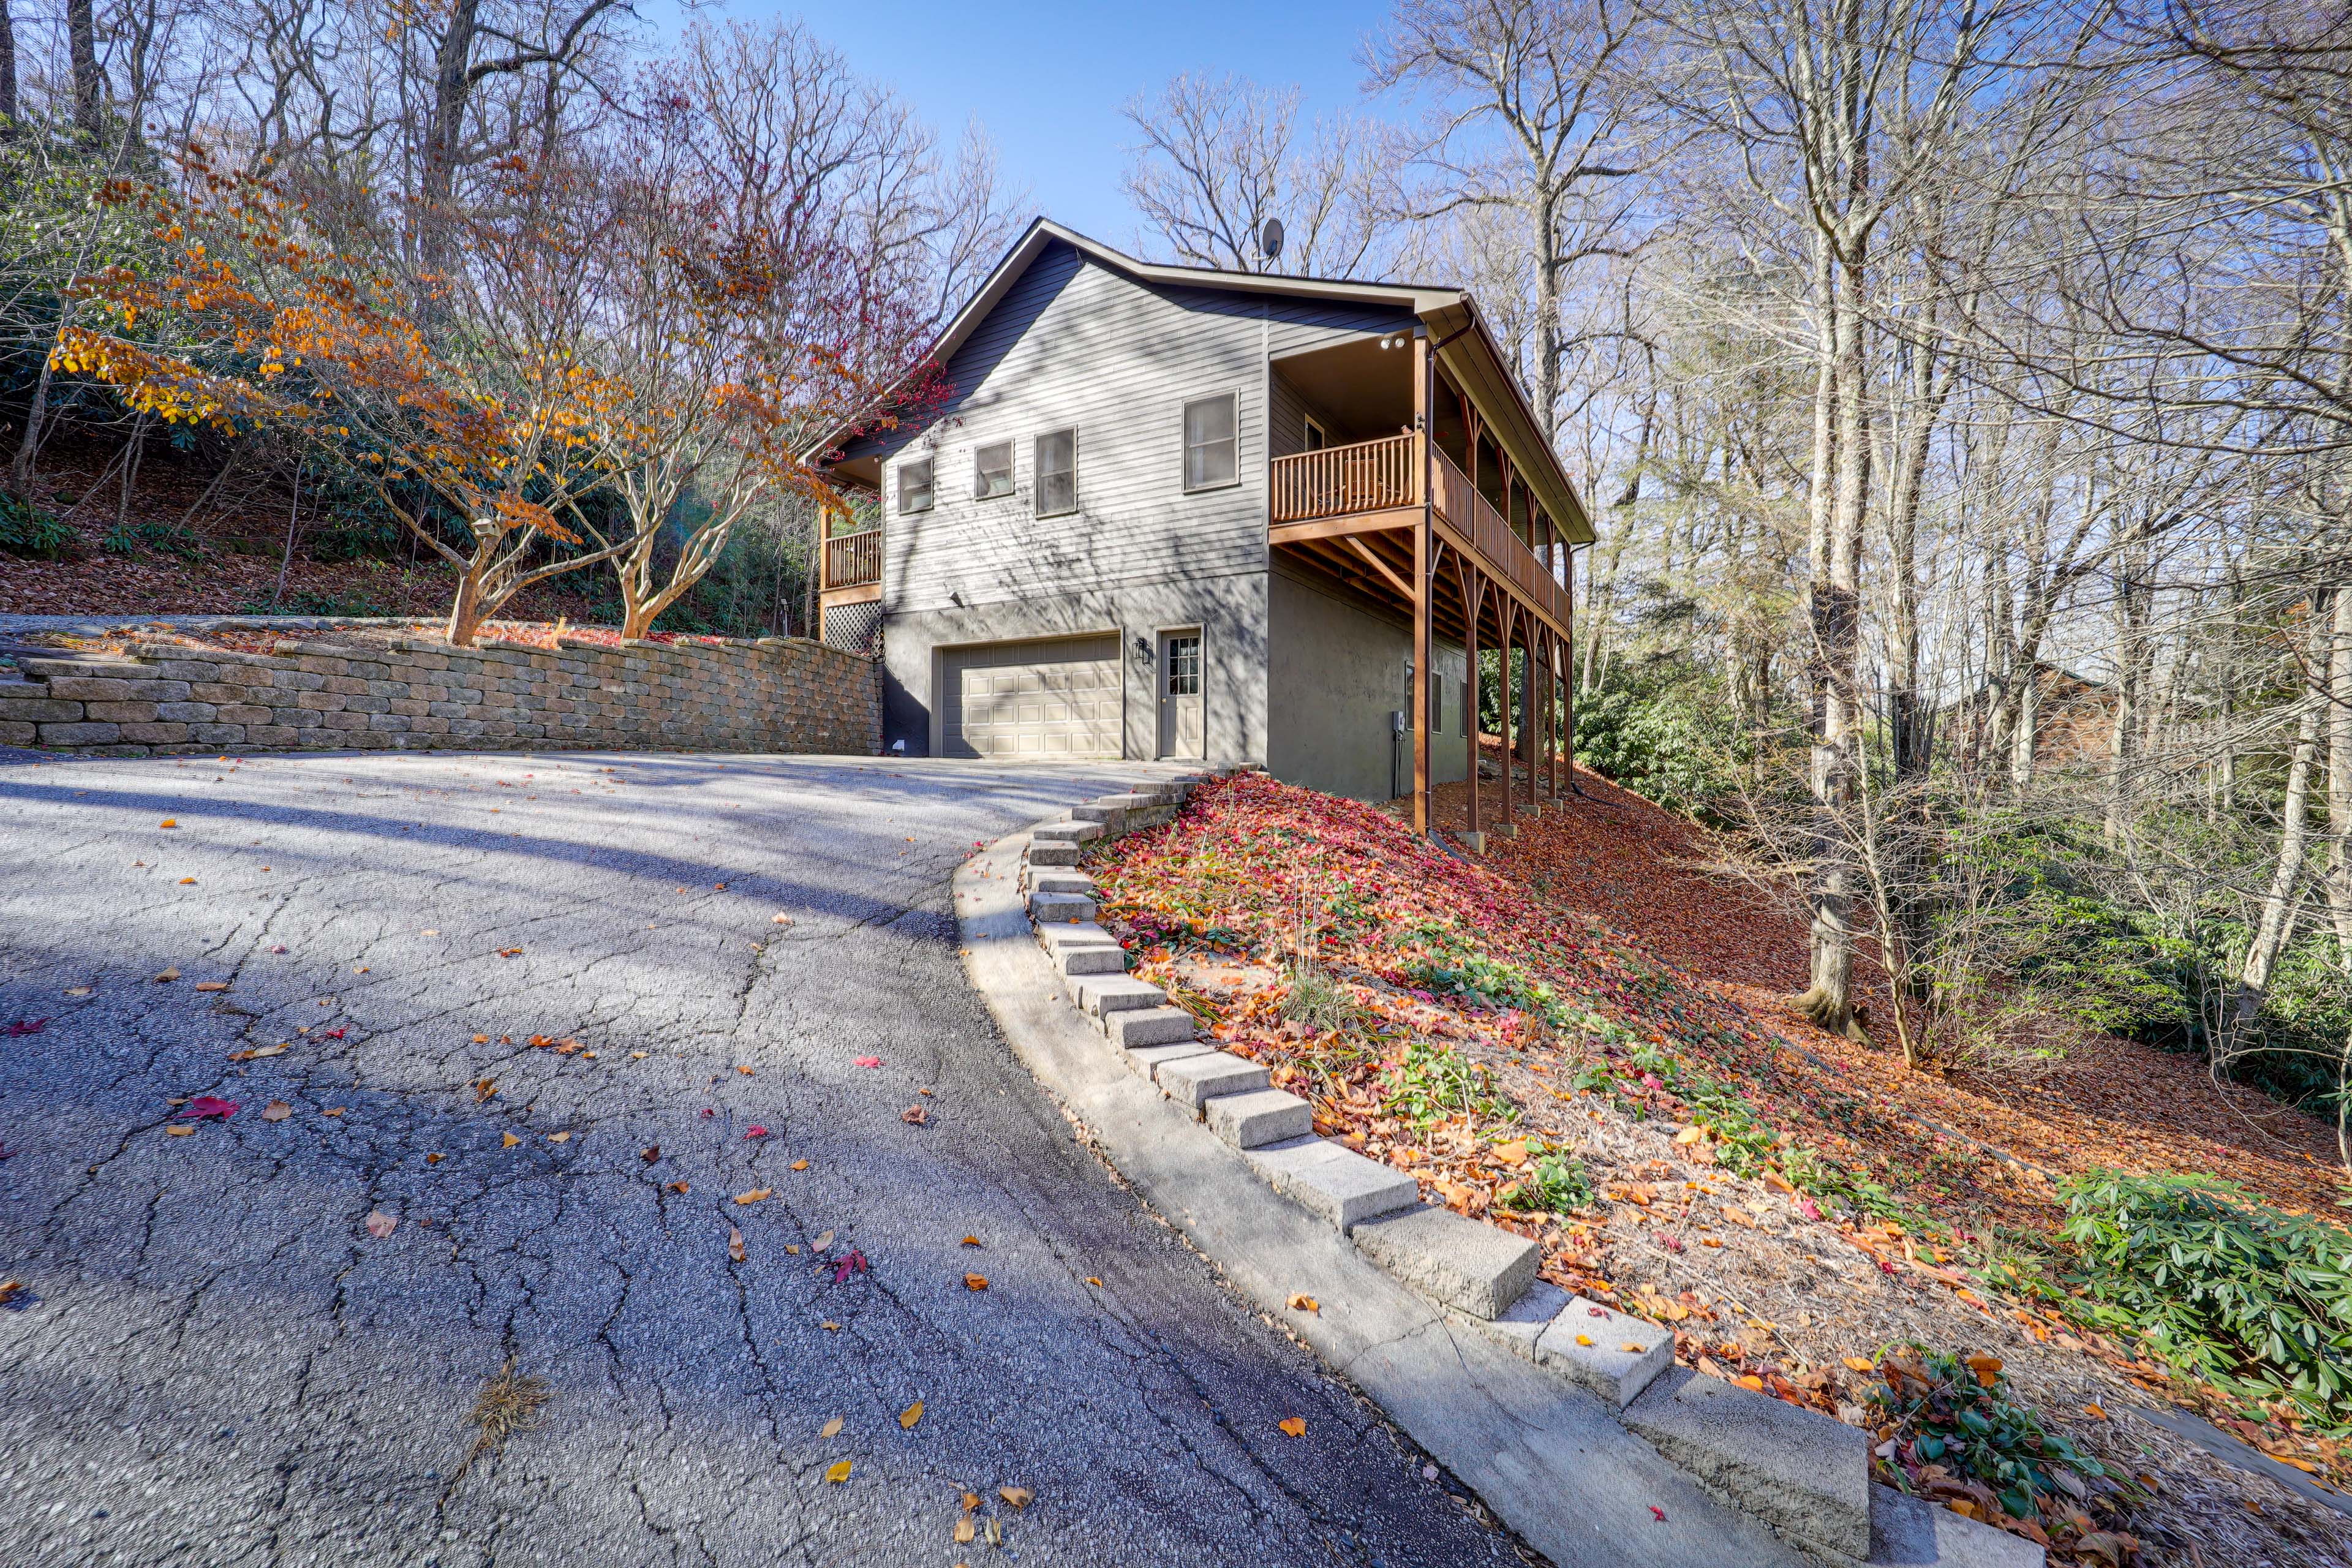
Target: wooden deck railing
{"x":854,"y":559}
{"x":1506,"y":555}
{"x":1365,"y":476}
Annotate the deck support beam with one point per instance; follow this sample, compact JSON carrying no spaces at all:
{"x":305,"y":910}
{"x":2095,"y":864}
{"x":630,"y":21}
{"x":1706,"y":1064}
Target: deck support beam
{"x":1424,"y":568}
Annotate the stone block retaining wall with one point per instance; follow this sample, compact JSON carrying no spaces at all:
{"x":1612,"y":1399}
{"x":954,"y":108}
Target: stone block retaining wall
{"x":777,"y":694}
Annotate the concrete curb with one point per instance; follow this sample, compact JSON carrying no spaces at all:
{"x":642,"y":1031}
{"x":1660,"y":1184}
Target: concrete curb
{"x":1439,"y":1318}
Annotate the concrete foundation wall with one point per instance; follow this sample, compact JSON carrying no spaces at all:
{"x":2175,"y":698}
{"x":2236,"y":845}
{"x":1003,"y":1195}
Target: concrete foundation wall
{"x":1230,"y":612}
{"x":777,"y":694}
{"x":1334,"y":671}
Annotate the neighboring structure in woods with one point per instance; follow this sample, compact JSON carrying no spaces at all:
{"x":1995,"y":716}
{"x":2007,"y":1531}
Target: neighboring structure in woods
{"x":1158,"y":511}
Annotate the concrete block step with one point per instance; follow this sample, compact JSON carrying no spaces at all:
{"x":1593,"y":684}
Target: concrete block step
{"x":1148,"y":1026}
{"x":1612,"y":1353}
{"x":1457,"y":1262}
{"x":1046,"y":879}
{"x":1085,"y":934}
{"x":1198,"y":1080}
{"x":1078,"y":960}
{"x":1912,"y":1532}
{"x":1077,"y":832}
{"x":1053,"y":852}
{"x":1338,"y":1184}
{"x":1146,"y":1061}
{"x":1102,"y":994}
{"x":1060,"y":907}
{"x":1260,"y":1116}
{"x":1801,"y":1472}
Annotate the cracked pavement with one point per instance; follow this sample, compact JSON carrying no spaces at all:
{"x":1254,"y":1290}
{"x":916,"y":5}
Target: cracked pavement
{"x":210,"y":1359}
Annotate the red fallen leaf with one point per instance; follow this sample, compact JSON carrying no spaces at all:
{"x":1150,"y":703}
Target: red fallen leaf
{"x":869,"y":1062}
{"x":756,"y":1132}
{"x":206,"y":1105}
{"x":1657,"y":1513}
{"x":1810,"y":1209}
{"x":853,"y":1262}
{"x":27,"y":1026}
{"x":332,"y":1035}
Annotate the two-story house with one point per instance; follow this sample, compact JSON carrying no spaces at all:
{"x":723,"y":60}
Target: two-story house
{"x":1158,"y":511}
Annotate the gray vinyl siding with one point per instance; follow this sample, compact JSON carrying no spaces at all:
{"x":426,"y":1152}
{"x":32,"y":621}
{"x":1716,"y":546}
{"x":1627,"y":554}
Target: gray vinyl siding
{"x":1075,"y":344}
{"x":1334,"y":671}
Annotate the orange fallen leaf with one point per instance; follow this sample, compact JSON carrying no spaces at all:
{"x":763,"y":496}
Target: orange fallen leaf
{"x":1512,"y":1153}
{"x":187,"y":881}
{"x":910,"y":1415}
{"x":212,"y":985}
{"x":679,"y":1187}
{"x":838,"y":1472}
{"x":975,"y":1281}
{"x":1293,"y":1426}
{"x":1017,"y":1496}
{"x":169,"y":821}
{"x":969,"y":1241}
{"x":1092,"y":1280}
{"x":800,"y":1164}
{"x":182,"y":1131}
{"x":2094,"y":1413}
{"x":1634,"y":1347}
{"x":964,"y":1529}
{"x":831,"y":1428}
{"x":1986,"y":1367}
{"x":754,"y":1195}
{"x":432,"y":1159}
{"x":831,"y":1327}
{"x":1860,"y":1363}
{"x":1584,"y":1339}
{"x":971,"y":1501}
{"x":1750,"y":1382}
{"x":167,"y":977}
{"x":507,"y":1140}
{"x":1302,"y":1302}
{"x":481,"y":1039}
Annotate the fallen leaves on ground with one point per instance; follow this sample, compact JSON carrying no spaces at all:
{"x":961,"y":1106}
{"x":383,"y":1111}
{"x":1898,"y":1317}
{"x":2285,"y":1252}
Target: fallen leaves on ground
{"x":975,"y":1281}
{"x":380,"y":1223}
{"x":167,"y":977}
{"x":1018,"y":1496}
{"x":27,"y":1026}
{"x":867,"y":1062}
{"x":831,"y":1428}
{"x":839,"y":1472}
{"x":1294,"y":1425}
{"x":910,"y":1415}
{"x":207,"y":1105}
{"x":914,"y":1115}
{"x":1302,"y":1302}
{"x":276,"y":1110}
{"x":755,"y":1196}
{"x":734,"y":1243}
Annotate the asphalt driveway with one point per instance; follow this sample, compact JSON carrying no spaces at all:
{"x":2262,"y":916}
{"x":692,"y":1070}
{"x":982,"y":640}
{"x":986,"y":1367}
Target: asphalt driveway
{"x":212,"y":1357}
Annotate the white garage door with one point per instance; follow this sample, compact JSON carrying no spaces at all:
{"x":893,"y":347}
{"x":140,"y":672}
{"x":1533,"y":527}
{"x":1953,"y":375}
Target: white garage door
{"x":1033,"y":699}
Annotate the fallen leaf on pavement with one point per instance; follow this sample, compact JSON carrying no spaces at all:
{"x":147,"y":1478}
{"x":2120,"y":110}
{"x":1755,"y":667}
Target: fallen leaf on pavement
{"x":481,"y":1039}
{"x":831,"y":1327}
{"x":754,"y":1195}
{"x":800,"y":1164}
{"x":559,"y":1137}
{"x":483,"y":1090}
{"x":745,"y":1071}
{"x":212,"y":985}
{"x":1092,"y":1280}
{"x":1658,"y":1513}
{"x":914,"y":1115}
{"x":734,"y":1243}
{"x":434,"y":1159}
{"x":780,"y":920}
{"x":854,"y":1262}
{"x":27,"y":1026}
{"x":910,"y":1415}
{"x":182,"y":1131}
{"x":169,"y":821}
{"x":964,"y":1531}
{"x":975,"y":1281}
{"x":1302,"y":1302}
{"x":206,"y":1105}
{"x":969,"y":1241}
{"x":756,"y":1132}
{"x":1294,"y":1425}
{"x":507,"y":1140}
{"x":831,"y":1428}
{"x":276,"y":1110}
{"x":822,"y":1242}
{"x":187,"y":881}
{"x":78,"y":990}
{"x":1584,"y":1339}
{"x":869,"y":1062}
{"x":839,"y":1472}
{"x":167,"y":977}
{"x":509,"y":952}
{"x":1017,"y":1496}
{"x":380,"y":1223}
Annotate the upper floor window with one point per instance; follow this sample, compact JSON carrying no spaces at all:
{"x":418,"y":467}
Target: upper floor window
{"x":992,"y":470}
{"x":1212,"y":443}
{"x":915,"y":486}
{"x":1314,"y":438}
{"x":1057,"y":472}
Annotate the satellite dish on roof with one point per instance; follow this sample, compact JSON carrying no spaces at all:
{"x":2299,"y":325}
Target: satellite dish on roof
{"x":1269,"y":238}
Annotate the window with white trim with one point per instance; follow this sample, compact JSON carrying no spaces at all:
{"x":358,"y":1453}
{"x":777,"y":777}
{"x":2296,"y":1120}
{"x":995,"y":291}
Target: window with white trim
{"x":992,"y":470}
{"x":915,"y":486}
{"x":1056,"y":462}
{"x":1213,"y":442}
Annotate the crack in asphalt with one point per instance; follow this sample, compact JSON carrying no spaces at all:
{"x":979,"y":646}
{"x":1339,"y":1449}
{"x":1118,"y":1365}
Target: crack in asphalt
{"x":222,"y":1281}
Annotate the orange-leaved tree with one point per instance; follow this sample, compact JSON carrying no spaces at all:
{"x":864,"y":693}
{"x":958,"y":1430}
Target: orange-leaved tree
{"x":474,"y":391}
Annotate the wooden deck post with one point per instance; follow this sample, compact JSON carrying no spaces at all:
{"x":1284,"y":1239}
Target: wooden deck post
{"x":1423,"y":584}
{"x":1474,"y":599}
{"x":1510,"y":613}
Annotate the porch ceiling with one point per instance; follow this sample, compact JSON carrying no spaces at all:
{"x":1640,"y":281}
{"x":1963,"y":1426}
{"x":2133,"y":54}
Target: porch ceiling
{"x":1366,"y":390}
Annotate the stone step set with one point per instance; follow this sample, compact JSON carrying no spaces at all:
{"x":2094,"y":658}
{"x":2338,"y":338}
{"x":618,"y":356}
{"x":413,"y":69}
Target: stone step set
{"x":1801,"y":1473}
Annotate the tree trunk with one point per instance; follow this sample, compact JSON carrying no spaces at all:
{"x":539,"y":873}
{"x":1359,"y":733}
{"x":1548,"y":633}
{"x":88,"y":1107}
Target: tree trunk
{"x":466,"y":609}
{"x":10,"y":111}
{"x":444,"y":132}
{"x":2338,"y":721}
{"x":2284,"y":900}
{"x":81,"y":41}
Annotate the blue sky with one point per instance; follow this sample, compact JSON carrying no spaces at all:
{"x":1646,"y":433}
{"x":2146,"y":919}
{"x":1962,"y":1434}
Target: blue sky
{"x":1048,"y":81}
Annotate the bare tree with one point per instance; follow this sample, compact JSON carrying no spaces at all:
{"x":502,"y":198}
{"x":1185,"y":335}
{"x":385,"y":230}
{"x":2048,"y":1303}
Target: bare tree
{"x":1220,"y":156}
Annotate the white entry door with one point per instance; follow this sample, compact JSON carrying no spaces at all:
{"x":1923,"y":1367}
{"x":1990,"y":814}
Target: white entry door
{"x":1183,"y":713}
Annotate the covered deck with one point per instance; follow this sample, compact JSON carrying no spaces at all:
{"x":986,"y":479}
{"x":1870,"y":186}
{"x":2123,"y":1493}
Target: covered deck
{"x":1434,"y":494}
